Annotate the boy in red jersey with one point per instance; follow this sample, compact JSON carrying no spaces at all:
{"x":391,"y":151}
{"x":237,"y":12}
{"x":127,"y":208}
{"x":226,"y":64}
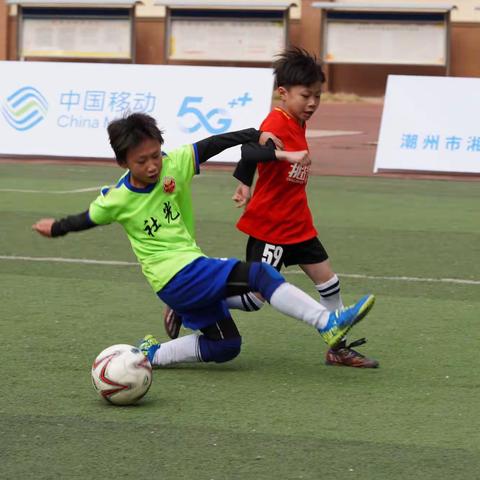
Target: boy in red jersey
{"x":277,"y":218}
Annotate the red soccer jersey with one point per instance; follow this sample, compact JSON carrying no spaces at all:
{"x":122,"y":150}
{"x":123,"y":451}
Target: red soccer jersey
{"x":278,"y":211}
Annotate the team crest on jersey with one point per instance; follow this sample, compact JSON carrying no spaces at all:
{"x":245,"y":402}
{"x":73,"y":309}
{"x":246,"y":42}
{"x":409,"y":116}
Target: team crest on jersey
{"x":168,"y":184}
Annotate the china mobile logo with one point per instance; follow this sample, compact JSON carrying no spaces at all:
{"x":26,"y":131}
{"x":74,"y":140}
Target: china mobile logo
{"x":194,"y":115}
{"x":214,"y":121}
{"x":25,"y":108}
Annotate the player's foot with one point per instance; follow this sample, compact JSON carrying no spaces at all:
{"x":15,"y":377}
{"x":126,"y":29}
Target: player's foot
{"x":343,"y":319}
{"x":149,"y":345}
{"x":172,"y":322}
{"x":344,"y":355}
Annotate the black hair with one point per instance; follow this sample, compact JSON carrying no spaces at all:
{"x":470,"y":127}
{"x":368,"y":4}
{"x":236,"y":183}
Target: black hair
{"x":129,"y":131}
{"x":295,"y":66}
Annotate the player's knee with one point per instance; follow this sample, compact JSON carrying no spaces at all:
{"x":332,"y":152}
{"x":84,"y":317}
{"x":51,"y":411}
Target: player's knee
{"x":219,"y":351}
{"x":264,"y":278}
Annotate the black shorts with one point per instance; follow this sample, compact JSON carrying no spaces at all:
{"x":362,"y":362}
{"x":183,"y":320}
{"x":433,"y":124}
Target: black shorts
{"x":303,"y":253}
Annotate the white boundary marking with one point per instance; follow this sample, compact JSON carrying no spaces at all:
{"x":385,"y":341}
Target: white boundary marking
{"x":70,"y":260}
{"x":86,"y":261}
{"x":329,"y":133}
{"x":63,"y":192}
{"x":56,"y":192}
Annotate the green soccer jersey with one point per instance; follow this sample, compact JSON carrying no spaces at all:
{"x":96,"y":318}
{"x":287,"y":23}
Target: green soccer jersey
{"x":158,"y":219}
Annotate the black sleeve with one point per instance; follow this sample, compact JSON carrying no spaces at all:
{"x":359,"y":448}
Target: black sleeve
{"x":253,"y":153}
{"x":72,"y":223}
{"x":256,"y":153}
{"x":245,"y":172}
{"x":211,"y":146}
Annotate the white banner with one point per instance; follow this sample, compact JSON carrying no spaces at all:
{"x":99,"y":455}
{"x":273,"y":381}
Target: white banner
{"x":430,"y":124}
{"x":77,"y":38}
{"x":397,"y":43}
{"x":63,"y":109}
{"x":226,"y":40}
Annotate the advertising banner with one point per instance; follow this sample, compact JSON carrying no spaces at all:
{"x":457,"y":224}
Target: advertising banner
{"x":63,"y":109}
{"x":430,"y":124}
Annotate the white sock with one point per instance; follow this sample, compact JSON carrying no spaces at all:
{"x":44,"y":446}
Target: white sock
{"x":294,"y":302}
{"x":329,"y":292}
{"x":248,"y":302}
{"x":181,"y":350}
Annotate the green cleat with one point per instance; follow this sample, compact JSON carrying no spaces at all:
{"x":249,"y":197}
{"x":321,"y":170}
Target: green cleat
{"x":149,"y":345}
{"x":343,"y":319}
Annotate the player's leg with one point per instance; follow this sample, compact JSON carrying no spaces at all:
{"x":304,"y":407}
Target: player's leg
{"x":326,"y":283}
{"x":180,"y":350}
{"x":206,"y":281}
{"x":312,"y":258}
{"x":220,"y":341}
{"x":196,"y":293}
{"x":290,"y":300}
{"x":257,"y":251}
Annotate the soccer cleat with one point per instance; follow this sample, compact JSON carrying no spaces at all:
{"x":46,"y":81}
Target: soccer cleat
{"x":344,"y":355}
{"x":172,"y":322}
{"x":149,"y":345}
{"x":342,"y":320}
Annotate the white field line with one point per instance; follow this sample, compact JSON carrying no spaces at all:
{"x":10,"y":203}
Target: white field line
{"x":86,"y":261}
{"x":61,"y":192}
{"x":56,"y":192}
{"x":70,"y":260}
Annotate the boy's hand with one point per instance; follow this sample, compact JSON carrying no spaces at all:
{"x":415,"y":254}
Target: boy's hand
{"x":266,"y":136}
{"x":302,"y":157}
{"x":44,"y":226}
{"x":242,"y":195}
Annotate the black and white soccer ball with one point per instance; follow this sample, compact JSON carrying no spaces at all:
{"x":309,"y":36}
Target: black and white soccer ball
{"x":121,"y":374}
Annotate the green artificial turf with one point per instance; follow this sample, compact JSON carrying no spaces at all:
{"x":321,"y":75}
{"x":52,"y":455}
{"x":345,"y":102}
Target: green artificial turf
{"x":275,"y":412}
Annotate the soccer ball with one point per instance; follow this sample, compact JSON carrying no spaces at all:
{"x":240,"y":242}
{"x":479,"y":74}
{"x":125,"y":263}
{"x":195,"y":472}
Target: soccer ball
{"x":121,"y":374}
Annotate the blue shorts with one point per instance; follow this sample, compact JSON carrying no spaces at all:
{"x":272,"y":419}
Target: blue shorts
{"x":198,"y":291}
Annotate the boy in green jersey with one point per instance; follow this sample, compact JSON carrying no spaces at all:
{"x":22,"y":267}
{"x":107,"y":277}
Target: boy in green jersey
{"x":152,"y":202}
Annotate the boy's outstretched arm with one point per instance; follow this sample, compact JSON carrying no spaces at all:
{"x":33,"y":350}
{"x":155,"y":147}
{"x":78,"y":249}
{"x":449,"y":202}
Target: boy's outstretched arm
{"x":255,"y":153}
{"x":247,"y":165}
{"x":245,"y":172}
{"x":211,"y":146}
{"x":49,"y":227}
